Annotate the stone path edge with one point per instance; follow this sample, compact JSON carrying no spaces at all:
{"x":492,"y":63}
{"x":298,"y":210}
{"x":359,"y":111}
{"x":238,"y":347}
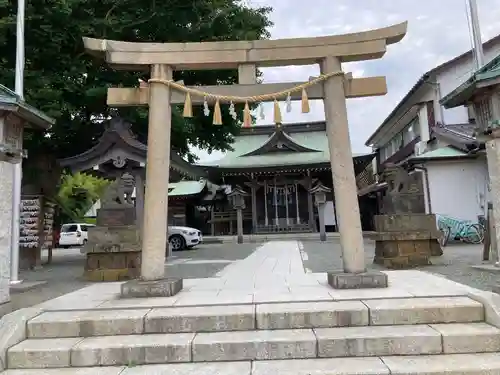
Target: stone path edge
{"x":13,"y":330}
{"x":491,"y":303}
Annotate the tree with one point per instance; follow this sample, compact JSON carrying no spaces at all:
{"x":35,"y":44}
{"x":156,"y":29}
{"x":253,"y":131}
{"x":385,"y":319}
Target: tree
{"x":77,"y":193}
{"x":69,"y":85}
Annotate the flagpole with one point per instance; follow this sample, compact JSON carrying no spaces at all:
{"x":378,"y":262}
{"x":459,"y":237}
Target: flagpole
{"x":476,"y":34}
{"x":17,"y":168}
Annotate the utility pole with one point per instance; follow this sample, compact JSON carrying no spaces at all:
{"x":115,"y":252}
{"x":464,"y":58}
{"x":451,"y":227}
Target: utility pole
{"x":17,"y":168}
{"x":476,"y":34}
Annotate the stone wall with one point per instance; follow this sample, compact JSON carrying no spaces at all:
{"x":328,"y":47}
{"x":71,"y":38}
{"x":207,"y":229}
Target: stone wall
{"x":6,"y":171}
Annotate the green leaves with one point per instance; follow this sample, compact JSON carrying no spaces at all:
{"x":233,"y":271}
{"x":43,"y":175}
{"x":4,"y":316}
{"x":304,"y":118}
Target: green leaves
{"x":69,"y":85}
{"x":77,"y":194}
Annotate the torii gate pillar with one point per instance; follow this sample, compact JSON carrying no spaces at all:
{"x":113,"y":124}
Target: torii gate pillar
{"x":154,"y":235}
{"x":155,"y":215}
{"x":342,"y":166}
{"x":344,"y":184}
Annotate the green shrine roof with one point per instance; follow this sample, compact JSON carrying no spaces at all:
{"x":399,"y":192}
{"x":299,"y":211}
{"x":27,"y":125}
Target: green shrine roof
{"x":10,"y":101}
{"x":441,"y":153}
{"x":281,"y":148}
{"x":464,"y":92}
{"x":186,"y":188}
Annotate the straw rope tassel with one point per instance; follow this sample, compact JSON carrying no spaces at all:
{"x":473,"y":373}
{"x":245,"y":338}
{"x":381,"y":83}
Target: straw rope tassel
{"x":247,"y":116}
{"x":217,"y":114}
{"x":305,"y":102}
{"x":277,"y":113}
{"x":188,"y":107}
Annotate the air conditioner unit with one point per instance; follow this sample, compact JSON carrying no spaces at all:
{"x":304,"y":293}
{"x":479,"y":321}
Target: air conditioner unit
{"x":420,"y":148}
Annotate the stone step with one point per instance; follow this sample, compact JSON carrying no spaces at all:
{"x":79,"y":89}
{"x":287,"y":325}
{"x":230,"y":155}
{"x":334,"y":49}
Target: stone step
{"x":447,"y":364}
{"x":249,"y":317}
{"x":132,"y":350}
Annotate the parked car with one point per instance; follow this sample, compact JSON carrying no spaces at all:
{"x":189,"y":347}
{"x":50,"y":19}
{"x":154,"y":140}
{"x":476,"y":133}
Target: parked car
{"x":181,"y":238}
{"x":74,"y":234}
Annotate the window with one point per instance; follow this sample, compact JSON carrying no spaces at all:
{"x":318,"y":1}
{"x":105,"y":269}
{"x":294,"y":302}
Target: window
{"x":69,"y":228}
{"x":397,"y":142}
{"x":84,"y":228}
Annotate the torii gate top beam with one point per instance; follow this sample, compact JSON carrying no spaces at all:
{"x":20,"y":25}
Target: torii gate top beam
{"x":230,"y":54}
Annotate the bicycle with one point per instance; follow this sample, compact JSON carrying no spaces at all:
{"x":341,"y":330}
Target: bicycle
{"x":459,"y":230}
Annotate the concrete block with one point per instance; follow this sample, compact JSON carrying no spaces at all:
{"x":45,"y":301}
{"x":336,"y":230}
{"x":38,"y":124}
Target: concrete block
{"x":363,"y":294}
{"x":424,"y":310}
{"x":311,"y":315}
{"x":323,"y":366}
{"x":377,"y":341}
{"x":230,"y":297}
{"x":13,"y":330}
{"x":87,"y":323}
{"x":68,"y":371}
{"x":41,"y":353}
{"x":227,"y":368}
{"x":254,"y":345}
{"x":200,"y":319}
{"x":366,"y":280}
{"x":156,"y":288}
{"x":469,"y":338}
{"x":491,"y":303}
{"x":137,"y":303}
{"x":449,"y":364}
{"x":132,"y":350}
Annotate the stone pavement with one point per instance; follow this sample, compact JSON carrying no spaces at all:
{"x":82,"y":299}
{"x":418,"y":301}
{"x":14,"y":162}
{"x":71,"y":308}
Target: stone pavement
{"x":269,"y":314}
{"x":63,"y":275}
{"x":455,"y":264}
{"x":273,"y":273}
{"x":272,"y":316}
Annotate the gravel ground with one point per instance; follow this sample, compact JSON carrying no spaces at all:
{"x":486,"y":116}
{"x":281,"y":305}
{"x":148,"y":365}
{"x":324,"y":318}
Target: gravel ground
{"x":455,"y":263}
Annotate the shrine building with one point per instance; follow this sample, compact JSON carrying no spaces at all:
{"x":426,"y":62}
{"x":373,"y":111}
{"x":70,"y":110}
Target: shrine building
{"x":278,"y":165}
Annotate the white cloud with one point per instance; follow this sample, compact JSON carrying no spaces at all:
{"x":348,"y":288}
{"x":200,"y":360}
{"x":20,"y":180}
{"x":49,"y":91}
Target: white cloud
{"x":437,"y":32}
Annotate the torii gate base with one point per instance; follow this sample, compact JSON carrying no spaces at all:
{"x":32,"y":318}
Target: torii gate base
{"x":246,"y":56}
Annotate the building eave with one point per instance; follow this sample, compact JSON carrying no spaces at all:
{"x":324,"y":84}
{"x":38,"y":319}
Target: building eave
{"x":421,"y":81}
{"x":463,"y":93}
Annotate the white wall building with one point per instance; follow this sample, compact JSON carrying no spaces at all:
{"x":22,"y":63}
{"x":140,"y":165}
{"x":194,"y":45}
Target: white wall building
{"x":438,"y":140}
{"x":15,"y":114}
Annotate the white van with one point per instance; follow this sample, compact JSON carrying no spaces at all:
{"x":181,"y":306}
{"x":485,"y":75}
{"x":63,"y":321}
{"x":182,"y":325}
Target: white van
{"x":74,"y":234}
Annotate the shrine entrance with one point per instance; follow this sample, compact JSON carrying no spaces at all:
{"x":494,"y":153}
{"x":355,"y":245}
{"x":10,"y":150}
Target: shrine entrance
{"x":333,"y":86}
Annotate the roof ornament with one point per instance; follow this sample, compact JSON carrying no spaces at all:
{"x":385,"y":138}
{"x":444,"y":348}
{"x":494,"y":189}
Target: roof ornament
{"x":119,"y":162}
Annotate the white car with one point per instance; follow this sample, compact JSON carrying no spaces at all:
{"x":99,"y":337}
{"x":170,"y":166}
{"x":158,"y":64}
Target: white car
{"x":181,"y":238}
{"x":74,"y":234}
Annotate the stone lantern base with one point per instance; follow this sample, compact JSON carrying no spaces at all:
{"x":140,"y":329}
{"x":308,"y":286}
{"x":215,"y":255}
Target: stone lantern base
{"x":406,"y":240}
{"x":113,"y":251}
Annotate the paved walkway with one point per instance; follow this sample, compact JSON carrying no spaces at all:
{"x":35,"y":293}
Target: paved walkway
{"x":209,"y":261}
{"x":272,"y":274}
{"x":271,"y":265}
{"x":63,"y":275}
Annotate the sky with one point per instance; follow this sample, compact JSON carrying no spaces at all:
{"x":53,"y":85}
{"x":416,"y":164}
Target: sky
{"x":437,"y":32}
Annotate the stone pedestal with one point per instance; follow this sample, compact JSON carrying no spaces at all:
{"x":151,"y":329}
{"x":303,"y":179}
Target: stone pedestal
{"x":155,"y":288}
{"x":406,"y":240}
{"x":113,"y":249}
{"x":364,"y":280}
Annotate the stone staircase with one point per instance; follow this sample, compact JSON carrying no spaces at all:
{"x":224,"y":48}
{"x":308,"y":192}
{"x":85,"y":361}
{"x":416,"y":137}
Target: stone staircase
{"x":439,"y":335}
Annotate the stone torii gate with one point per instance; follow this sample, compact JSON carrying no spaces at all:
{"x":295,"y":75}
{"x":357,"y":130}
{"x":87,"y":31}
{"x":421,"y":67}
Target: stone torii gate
{"x":161,"y":59}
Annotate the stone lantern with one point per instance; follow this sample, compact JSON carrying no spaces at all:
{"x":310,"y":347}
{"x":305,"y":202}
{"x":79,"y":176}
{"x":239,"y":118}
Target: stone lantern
{"x":319,"y":192}
{"x":237,"y":199}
